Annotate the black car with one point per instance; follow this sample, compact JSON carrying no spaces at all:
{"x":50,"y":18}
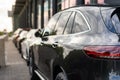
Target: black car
{"x":80,"y":43}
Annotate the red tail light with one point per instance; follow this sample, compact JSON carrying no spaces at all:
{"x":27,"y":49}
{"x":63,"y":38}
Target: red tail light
{"x":112,"y":52}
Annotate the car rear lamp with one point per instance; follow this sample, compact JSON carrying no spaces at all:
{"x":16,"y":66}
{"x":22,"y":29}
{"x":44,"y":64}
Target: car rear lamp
{"x":109,"y":52}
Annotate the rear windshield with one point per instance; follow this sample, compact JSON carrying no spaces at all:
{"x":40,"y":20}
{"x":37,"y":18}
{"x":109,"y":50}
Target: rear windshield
{"x":111,"y":19}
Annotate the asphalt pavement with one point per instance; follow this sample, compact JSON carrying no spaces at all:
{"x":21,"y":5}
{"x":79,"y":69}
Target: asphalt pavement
{"x":16,"y":68}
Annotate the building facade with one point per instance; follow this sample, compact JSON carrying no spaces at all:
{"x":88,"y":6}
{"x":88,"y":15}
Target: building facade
{"x":36,"y":13}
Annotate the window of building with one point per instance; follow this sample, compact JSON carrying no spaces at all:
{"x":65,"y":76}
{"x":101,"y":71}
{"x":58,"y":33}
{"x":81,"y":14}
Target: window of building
{"x":29,"y":16}
{"x":32,"y":13}
{"x":39,"y":15}
{"x":49,"y":9}
{"x":27,"y":11}
{"x":93,"y":1}
{"x":58,"y":5}
{"x":46,"y":12}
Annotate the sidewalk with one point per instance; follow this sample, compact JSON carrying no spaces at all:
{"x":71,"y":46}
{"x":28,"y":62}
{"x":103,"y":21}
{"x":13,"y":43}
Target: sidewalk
{"x":16,"y":68}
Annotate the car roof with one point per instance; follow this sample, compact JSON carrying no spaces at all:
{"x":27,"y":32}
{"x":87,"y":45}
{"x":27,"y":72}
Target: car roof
{"x":88,"y":7}
{"x":95,"y":12}
{"x":92,"y":6}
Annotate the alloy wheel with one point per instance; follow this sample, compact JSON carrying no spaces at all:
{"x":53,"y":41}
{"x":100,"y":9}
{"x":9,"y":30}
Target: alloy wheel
{"x":61,"y":76}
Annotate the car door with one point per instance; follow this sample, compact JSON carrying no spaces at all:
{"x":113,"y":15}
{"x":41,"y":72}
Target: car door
{"x":52,"y":23}
{"x":46,"y":51}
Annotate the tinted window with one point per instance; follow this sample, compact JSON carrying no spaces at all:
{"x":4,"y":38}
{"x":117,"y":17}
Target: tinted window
{"x":69,"y":26}
{"x":111,"y":19}
{"x":62,"y":22}
{"x":80,"y":24}
{"x":116,"y":23}
{"x":50,"y":28}
{"x":53,"y":21}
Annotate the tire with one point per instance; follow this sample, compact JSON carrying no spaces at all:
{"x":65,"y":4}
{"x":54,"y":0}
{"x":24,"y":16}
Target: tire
{"x":61,"y":76}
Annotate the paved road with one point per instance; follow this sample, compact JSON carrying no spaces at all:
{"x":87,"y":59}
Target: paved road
{"x":16,"y":68}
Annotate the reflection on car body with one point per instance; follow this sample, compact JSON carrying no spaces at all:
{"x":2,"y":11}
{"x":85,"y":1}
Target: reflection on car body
{"x":79,"y":44}
{"x":30,"y":38}
{"x":16,"y":35}
{"x":20,"y":39}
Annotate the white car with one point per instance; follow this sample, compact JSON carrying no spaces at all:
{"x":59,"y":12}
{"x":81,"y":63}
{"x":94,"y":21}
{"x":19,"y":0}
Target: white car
{"x":25,"y":45}
{"x":21,"y":38}
{"x":16,"y":35}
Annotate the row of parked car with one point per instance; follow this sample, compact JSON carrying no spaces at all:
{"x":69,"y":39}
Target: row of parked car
{"x":23,"y":39}
{"x":80,"y":43}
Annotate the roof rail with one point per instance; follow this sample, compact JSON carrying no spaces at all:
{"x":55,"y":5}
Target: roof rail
{"x":103,"y":5}
{"x":97,"y":5}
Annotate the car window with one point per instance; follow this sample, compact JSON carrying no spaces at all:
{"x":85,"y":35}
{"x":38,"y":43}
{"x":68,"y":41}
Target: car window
{"x":68,"y":28}
{"x":50,"y":28}
{"x":116,"y":23}
{"x":62,"y":22}
{"x":80,"y":24}
{"x":111,"y":19}
{"x":52,"y":22}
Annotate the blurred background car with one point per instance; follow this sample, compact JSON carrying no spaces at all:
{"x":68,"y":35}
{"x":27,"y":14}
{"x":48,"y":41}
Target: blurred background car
{"x":16,"y":35}
{"x":80,"y":43}
{"x":25,"y":45}
{"x":20,"y":39}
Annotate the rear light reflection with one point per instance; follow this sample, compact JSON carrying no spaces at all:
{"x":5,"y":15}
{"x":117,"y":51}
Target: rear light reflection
{"x":112,"y":52}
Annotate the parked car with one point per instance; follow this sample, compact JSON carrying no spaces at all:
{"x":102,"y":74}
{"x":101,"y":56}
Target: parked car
{"x":16,"y":35}
{"x":25,"y":45}
{"x":20,"y":39}
{"x":80,"y":43}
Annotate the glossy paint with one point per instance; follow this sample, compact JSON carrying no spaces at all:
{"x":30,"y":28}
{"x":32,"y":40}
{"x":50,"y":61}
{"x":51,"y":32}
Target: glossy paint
{"x":20,"y":39}
{"x":66,"y":46}
{"x":30,"y":39}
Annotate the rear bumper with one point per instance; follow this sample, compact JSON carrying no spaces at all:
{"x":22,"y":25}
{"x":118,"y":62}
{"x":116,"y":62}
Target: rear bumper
{"x":79,"y":66}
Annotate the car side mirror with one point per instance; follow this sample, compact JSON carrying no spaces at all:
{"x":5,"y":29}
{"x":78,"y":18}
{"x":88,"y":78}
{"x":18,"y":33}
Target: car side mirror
{"x":38,"y":34}
{"x":46,"y":34}
{"x":44,"y":37}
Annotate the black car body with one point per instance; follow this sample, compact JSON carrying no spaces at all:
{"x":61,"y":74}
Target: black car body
{"x":27,"y":42}
{"x":80,"y":43}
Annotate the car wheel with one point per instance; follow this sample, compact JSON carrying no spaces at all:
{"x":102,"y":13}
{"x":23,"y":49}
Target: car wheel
{"x":61,"y":76}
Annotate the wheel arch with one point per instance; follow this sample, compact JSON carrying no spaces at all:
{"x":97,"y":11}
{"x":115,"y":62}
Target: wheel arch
{"x":56,"y":68}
